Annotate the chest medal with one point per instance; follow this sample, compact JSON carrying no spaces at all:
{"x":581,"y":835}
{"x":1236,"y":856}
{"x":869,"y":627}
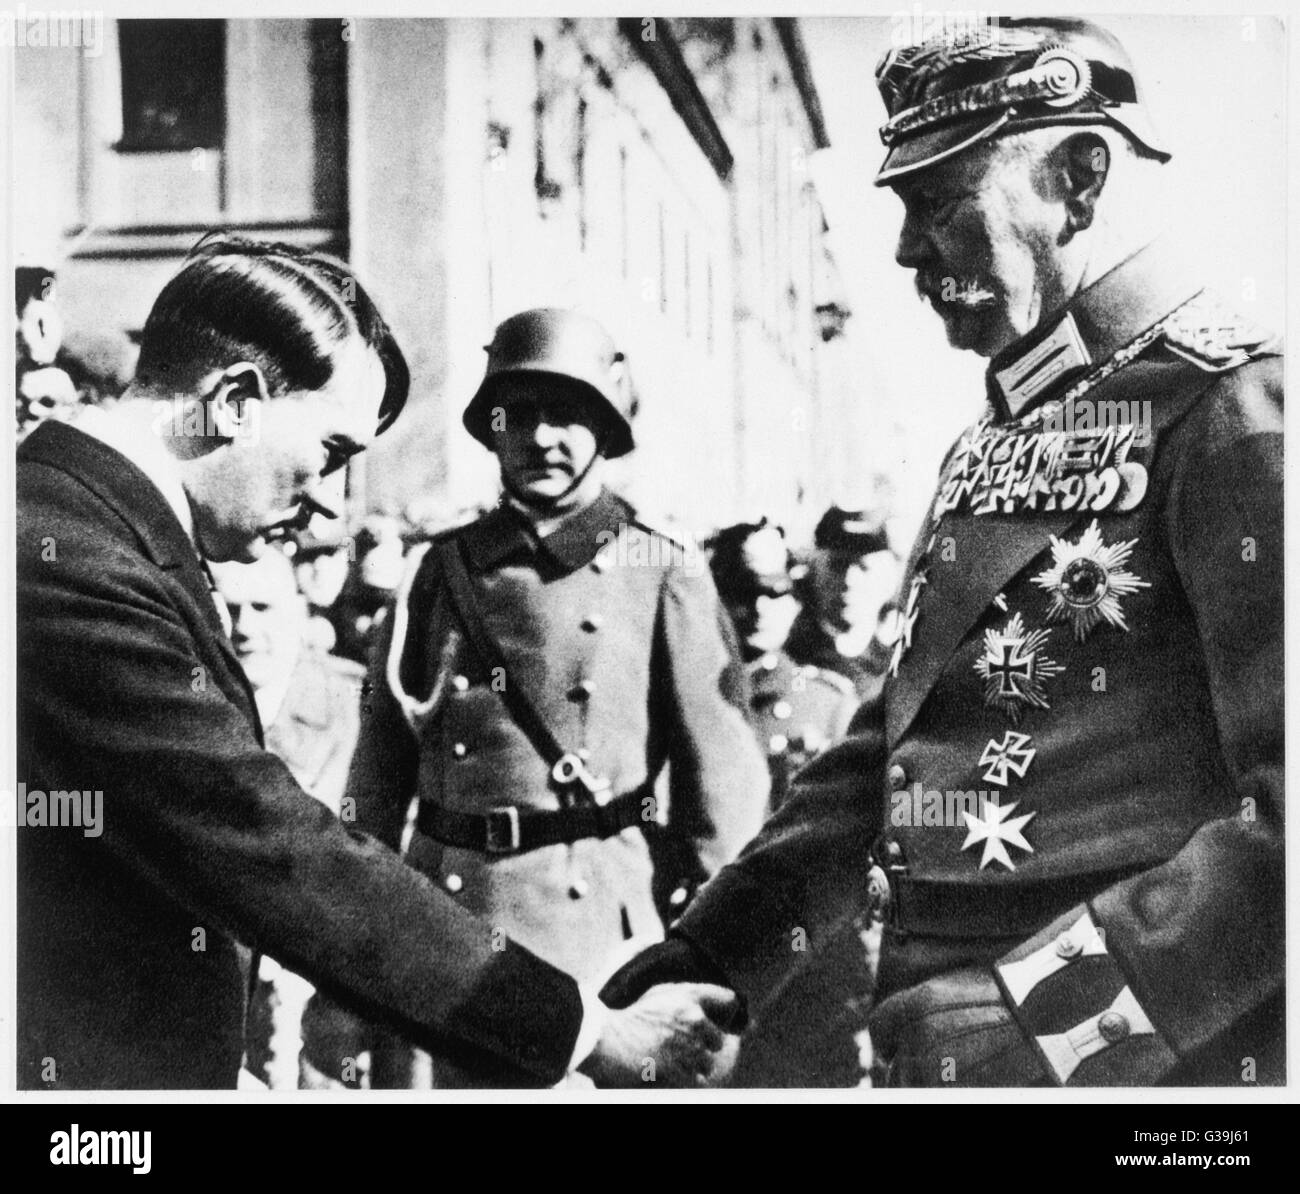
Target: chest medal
{"x":1087,"y":579}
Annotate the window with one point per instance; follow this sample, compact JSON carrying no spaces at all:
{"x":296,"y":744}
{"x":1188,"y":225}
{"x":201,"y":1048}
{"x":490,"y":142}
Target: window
{"x":173,"y":85}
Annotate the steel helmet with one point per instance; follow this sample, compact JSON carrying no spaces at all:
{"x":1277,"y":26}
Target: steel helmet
{"x":553,"y":342}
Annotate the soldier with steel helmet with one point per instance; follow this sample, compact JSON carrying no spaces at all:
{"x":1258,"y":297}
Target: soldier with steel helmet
{"x":542,"y":666}
{"x":1067,"y":802}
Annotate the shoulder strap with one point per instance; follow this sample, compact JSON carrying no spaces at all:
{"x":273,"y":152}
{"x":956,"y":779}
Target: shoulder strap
{"x":464,"y":602}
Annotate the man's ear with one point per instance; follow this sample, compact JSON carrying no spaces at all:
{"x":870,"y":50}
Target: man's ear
{"x":234,"y":398}
{"x":1085,"y":162}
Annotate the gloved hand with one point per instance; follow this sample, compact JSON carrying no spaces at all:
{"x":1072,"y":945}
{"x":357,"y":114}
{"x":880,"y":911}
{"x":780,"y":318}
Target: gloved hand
{"x":675,"y":960}
{"x":954,"y":1030}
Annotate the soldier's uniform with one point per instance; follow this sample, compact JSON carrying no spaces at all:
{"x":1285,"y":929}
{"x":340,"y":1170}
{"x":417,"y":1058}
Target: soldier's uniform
{"x":798,"y":711}
{"x":811,"y":641}
{"x":810,"y":1033}
{"x":614,"y":633}
{"x":1103,"y":650}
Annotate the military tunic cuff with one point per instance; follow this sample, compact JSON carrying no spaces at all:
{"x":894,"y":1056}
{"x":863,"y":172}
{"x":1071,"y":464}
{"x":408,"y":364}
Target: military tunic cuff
{"x":1074,"y":1003}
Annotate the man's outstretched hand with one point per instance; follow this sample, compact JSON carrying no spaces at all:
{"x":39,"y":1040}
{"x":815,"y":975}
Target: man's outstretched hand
{"x":668,"y":1037}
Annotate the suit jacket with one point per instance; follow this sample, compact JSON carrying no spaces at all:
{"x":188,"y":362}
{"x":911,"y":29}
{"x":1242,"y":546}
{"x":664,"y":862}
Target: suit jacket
{"x":618,"y":645}
{"x":1116,"y":673}
{"x":129,"y":944}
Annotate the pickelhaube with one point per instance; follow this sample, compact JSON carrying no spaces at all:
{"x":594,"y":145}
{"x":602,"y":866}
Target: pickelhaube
{"x":860,"y":532}
{"x":750,"y":559}
{"x":553,"y":342}
{"x":957,"y":89}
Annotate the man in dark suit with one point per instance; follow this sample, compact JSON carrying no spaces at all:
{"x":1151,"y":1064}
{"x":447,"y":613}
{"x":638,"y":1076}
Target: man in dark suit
{"x":262,"y":369}
{"x":564,"y":600}
{"x":1067,"y":804}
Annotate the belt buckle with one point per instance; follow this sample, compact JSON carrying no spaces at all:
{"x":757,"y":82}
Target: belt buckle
{"x":502,"y":830}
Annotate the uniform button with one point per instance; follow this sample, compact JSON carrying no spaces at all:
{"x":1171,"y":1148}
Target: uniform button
{"x":1068,"y":947}
{"x":582,"y":691}
{"x":592,"y":622}
{"x":1114,"y":1027}
{"x":782,"y":710}
{"x":897,"y":778}
{"x":460,"y":683}
{"x":777,"y":744}
{"x":459,"y":749}
{"x":768,"y":662}
{"x":453,"y":883}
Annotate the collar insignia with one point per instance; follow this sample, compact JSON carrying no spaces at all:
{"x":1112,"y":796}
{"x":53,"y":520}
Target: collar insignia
{"x":1060,"y":352}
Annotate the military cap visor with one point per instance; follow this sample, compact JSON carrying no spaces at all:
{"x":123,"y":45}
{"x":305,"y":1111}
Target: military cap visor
{"x":951,"y":93}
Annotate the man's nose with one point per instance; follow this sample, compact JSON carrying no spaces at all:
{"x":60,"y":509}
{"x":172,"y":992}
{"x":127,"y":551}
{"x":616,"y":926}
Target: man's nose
{"x":323,"y":499}
{"x":545,"y":435}
{"x":910,"y":251}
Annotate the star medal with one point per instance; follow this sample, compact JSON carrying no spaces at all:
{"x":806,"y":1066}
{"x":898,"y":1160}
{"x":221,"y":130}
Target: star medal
{"x":1013,"y":668}
{"x":1086,"y":580}
{"x":997,"y":832}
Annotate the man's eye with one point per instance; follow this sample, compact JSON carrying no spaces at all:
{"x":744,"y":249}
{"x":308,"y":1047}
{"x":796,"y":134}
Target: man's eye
{"x":335,"y":459}
{"x":937,"y":207}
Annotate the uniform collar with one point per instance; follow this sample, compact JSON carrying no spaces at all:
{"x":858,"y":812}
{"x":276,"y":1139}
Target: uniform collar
{"x":504,"y":532}
{"x":1093,"y":326}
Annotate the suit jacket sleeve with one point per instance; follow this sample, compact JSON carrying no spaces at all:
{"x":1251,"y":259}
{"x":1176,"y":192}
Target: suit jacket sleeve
{"x":1199,"y":940}
{"x":194,"y":805}
{"x":719,"y":780}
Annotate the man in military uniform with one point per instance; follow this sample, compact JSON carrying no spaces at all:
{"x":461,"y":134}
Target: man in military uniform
{"x":541,"y":667}
{"x":797,"y":709}
{"x":847,"y":623}
{"x":808,"y":1035}
{"x":1068,"y":800}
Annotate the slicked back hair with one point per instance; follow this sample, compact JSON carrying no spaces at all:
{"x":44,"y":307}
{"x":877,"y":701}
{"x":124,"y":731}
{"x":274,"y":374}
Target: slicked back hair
{"x":288,"y":311}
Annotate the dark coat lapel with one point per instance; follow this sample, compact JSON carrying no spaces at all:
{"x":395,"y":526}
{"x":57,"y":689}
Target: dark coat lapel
{"x":140,"y":504}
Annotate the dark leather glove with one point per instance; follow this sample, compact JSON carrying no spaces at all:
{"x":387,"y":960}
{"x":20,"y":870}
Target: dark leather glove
{"x":674,"y":960}
{"x":954,"y":1030}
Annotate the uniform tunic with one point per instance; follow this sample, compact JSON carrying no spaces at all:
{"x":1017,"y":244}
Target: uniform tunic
{"x":1104,"y":651}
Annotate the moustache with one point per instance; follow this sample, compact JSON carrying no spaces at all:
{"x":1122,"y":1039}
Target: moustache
{"x":967,"y":292}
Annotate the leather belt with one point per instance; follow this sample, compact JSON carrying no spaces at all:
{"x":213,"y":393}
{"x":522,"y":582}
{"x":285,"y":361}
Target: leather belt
{"x":509,"y":829}
{"x":929,"y":908}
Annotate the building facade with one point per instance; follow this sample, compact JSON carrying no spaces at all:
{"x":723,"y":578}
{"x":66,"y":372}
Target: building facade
{"x":652,"y":172}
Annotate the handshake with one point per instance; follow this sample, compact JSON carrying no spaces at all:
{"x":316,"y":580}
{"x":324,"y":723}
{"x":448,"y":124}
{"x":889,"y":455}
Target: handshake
{"x":663,"y":1027}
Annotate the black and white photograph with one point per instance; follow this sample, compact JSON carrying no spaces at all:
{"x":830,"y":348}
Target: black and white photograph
{"x":711,"y":558}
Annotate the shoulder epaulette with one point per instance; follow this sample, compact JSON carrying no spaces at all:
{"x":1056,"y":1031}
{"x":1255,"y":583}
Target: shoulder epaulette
{"x":1211,"y":335}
